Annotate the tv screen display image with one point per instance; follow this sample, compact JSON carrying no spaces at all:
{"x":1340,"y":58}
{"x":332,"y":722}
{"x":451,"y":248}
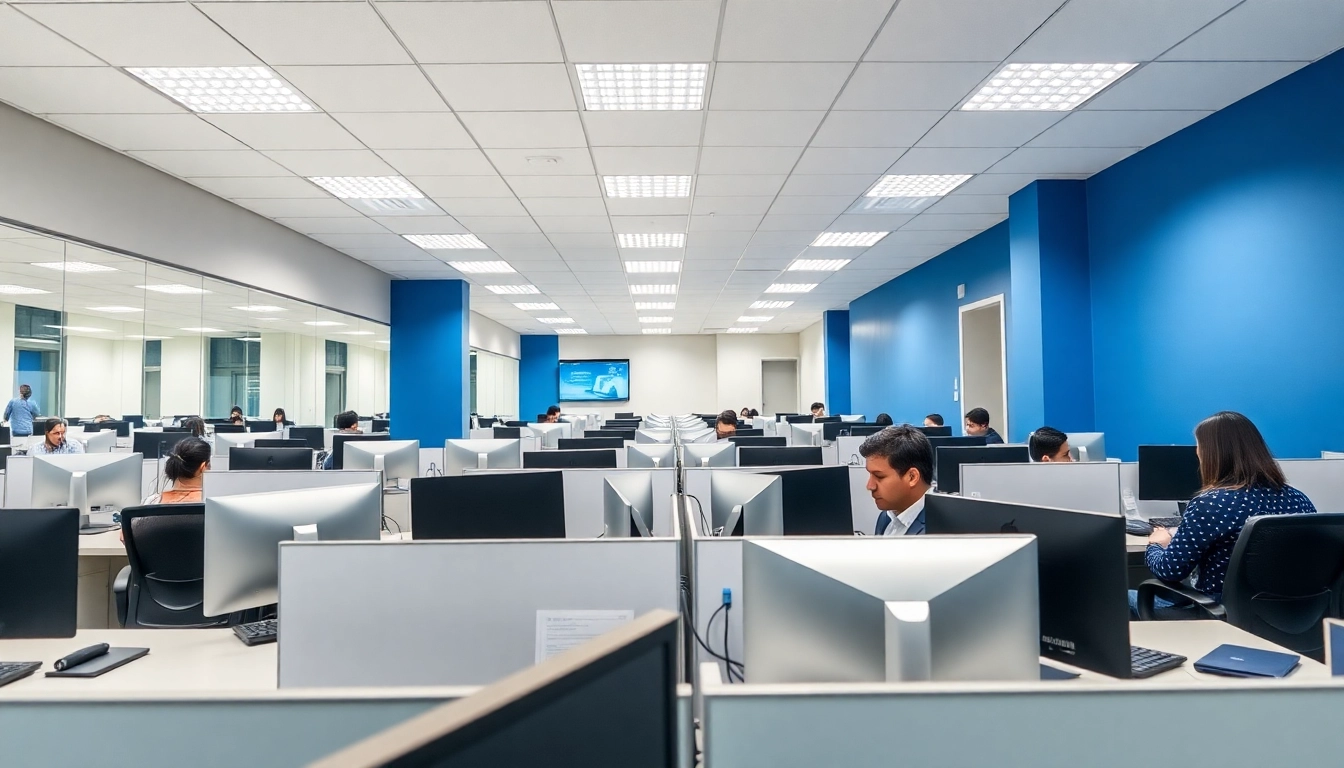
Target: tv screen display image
{"x":594,"y":380}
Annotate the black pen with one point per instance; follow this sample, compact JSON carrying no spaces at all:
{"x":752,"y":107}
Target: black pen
{"x":81,"y":656}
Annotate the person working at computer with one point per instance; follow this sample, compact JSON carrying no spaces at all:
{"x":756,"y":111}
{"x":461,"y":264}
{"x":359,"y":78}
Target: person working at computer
{"x":884,"y":420}
{"x":279,"y":417}
{"x":899,"y":461}
{"x":1240,"y":480}
{"x":236,"y":415}
{"x":54,"y":441}
{"x":1048,"y":444}
{"x":185,"y":467}
{"x":347,"y":423}
{"x":977,"y":424}
{"x":195,"y":426}
{"x":21,"y":412}
{"x":552,"y":415}
{"x":745,"y":414}
{"x":818,"y":411}
{"x":725,"y":426}
{"x":933,"y":420}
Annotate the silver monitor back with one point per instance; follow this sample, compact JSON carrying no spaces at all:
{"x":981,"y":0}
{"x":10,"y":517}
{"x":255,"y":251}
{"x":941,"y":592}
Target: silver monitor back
{"x":653,"y":436}
{"x":805,"y":434}
{"x":627,"y":503}
{"x":397,"y":459}
{"x":855,"y":418}
{"x":755,"y":500}
{"x":243,"y":535}
{"x":227,"y":440}
{"x":461,"y":455}
{"x":84,"y":481}
{"x":715,"y":455}
{"x":1087,"y":446}
{"x":656,"y":456}
{"x":548,"y":435}
{"x":103,"y":441}
{"x":891,"y":609}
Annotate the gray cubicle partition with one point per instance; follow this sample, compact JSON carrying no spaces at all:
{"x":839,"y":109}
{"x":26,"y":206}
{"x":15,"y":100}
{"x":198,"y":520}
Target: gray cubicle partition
{"x":1090,"y":486}
{"x":865,"y":512}
{"x":217,"y":483}
{"x":450,"y":612}
{"x":1322,"y":480}
{"x":583,"y":499}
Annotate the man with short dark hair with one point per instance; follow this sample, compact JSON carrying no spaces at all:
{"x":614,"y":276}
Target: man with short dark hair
{"x":1049,"y":444}
{"x":818,"y":411}
{"x":933,"y":420}
{"x":977,"y":424}
{"x":726,"y":425}
{"x":900,"y":471}
{"x":347,"y":423}
{"x":552,"y":415}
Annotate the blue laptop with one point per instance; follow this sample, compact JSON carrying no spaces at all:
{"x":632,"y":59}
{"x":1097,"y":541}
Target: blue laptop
{"x":1240,"y":661}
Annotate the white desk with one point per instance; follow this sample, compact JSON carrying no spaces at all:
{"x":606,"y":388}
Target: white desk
{"x":1193,"y":639}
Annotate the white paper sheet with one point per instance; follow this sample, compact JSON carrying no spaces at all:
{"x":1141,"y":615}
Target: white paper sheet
{"x":558,"y":631}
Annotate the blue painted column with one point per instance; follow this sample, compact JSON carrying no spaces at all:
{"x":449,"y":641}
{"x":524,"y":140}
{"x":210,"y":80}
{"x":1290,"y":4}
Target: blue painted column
{"x":431,"y":375}
{"x":1050,"y":315}
{"x":538,"y":374}
{"x":835,"y":337}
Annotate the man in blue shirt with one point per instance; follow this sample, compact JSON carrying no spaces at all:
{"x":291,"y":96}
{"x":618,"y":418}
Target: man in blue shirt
{"x":977,"y":424}
{"x":21,"y":411}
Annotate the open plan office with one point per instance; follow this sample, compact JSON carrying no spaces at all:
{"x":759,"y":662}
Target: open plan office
{"x":671,"y":383}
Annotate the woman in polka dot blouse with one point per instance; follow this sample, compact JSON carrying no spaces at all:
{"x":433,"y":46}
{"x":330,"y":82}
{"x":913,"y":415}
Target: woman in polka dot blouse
{"x":1241,"y":480}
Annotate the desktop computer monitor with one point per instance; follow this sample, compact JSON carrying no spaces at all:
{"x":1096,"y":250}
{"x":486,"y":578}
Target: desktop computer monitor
{"x":623,"y":434}
{"x":936,"y":431}
{"x":339,"y":441}
{"x":716,"y":455}
{"x":226,"y":440}
{"x":746,"y":504}
{"x":396,"y":459}
{"x":653,"y":436}
{"x":279,"y":442}
{"x":101,"y":442}
{"x":508,"y":433}
{"x":947,"y":469}
{"x":749,"y":432}
{"x":1083,"y":604}
{"x":313,"y":437}
{"x":271,"y":458}
{"x":381,"y":425}
{"x":803,"y":418}
{"x":816,"y":501}
{"x":864,"y":430}
{"x":759,"y":442}
{"x":243,"y":533}
{"x":898,"y":609}
{"x":461,"y":455}
{"x":597,"y":458}
{"x":805,"y":434}
{"x":831,"y":431}
{"x":228,"y":428}
{"x":651,"y":456}
{"x":856,"y":418}
{"x":780,"y":417}
{"x":134,"y":419}
{"x":503,"y":505}
{"x":1087,"y":446}
{"x":485,"y":422}
{"x":826,"y":420}
{"x":103,"y":481}
{"x":122,"y":428}
{"x":619,"y":415}
{"x":959,"y":442}
{"x":548,"y":435}
{"x":261,"y":425}
{"x":580,"y":443}
{"x":627,"y":505}
{"x":1168,"y":473}
{"x":39,"y":571}
{"x":156,"y":445}
{"x":793,"y":456}
{"x":612,"y":700}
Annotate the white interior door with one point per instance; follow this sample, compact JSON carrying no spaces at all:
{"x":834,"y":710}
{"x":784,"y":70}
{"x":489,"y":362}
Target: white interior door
{"x":983,"y":362}
{"x":779,"y":386}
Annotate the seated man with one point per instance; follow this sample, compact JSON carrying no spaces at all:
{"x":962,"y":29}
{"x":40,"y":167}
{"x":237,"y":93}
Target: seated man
{"x":933,"y":420}
{"x":552,"y":415}
{"x":347,"y":423}
{"x":818,"y":410}
{"x":883,"y":420}
{"x":977,"y":424}
{"x":899,"y":461}
{"x":1049,"y":444}
{"x":726,"y":425}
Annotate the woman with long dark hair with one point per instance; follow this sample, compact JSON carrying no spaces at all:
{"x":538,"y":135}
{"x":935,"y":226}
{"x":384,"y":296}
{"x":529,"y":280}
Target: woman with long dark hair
{"x":185,"y":467}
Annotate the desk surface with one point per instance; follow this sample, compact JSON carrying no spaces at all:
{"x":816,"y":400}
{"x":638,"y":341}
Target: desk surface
{"x":108,"y":544}
{"x":1136,"y":543}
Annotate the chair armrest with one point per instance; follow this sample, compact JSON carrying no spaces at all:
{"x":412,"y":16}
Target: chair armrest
{"x":121,"y":587}
{"x":1176,"y":593}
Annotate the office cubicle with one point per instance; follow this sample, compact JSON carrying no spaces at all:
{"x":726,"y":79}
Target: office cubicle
{"x":583,"y":498}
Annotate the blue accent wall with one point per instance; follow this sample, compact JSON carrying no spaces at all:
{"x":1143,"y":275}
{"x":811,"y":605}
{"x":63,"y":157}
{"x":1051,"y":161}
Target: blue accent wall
{"x":835,"y":338}
{"x":538,"y":374}
{"x":430,"y":373}
{"x":903,"y":335}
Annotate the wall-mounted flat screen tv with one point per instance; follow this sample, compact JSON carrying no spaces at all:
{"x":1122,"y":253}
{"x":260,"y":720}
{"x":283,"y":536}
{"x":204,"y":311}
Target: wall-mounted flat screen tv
{"x":594,"y":380}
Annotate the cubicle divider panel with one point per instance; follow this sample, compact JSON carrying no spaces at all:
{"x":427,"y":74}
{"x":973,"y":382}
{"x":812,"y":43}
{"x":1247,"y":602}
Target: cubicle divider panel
{"x":1087,"y":486}
{"x":455,"y":612}
{"x":1129,"y":491}
{"x":218,"y":483}
{"x":861,"y":501}
{"x":718,"y":566}
{"x":1322,"y":480}
{"x":847,"y":450}
{"x":583,"y":499}
{"x":431,"y":461}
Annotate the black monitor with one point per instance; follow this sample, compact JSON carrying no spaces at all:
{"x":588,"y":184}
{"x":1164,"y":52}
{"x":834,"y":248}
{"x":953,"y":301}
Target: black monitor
{"x":795,"y":456}
{"x":73,"y":421}
{"x":279,"y":442}
{"x":135,"y":420}
{"x":864,"y":430}
{"x":1168,"y":473}
{"x":832,"y":430}
{"x":952,"y":442}
{"x":804,"y":418}
{"x":270,"y":458}
{"x":229,"y":428}
{"x":623,"y":424}
{"x":381,"y":425}
{"x":936,"y":431}
{"x":515,"y":423}
{"x":508,"y":433}
{"x":339,"y":440}
{"x":599,"y":458}
{"x":816,"y":501}
{"x":748,"y":432}
{"x":1084,"y":607}
{"x":505,"y":505}
{"x":947,"y":467}
{"x":5,"y":452}
{"x":485,"y":422}
{"x":826,"y":420}
{"x":156,"y":445}
{"x":313,"y":437}
{"x":5,"y":437}
{"x":577,"y":443}
{"x":782,"y":416}
{"x":626,"y":416}
{"x":176,"y":429}
{"x":212,"y":422}
{"x":39,"y":571}
{"x":259,"y":425}
{"x":122,"y":428}
{"x":623,"y":434}
{"x":541,"y":418}
{"x":759,"y":442}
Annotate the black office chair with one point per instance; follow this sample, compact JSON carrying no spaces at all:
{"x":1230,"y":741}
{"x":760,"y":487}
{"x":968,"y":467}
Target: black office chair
{"x":165,"y":583}
{"x":1286,"y":575}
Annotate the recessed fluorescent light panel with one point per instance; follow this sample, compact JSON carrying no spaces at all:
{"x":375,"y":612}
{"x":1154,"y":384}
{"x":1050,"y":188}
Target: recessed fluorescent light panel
{"x":481,"y":267}
{"x":652,"y":266}
{"x":647,"y":186}
{"x":1049,"y":87}
{"x":847,"y":239}
{"x":445,"y":242}
{"x":535,"y":307}
{"x":224,"y":89}
{"x":367,"y":187}
{"x":202,"y":330}
{"x":74,"y":266}
{"x":138,"y":337}
{"x":259,"y":308}
{"x":512,"y":289}
{"x":78,"y":328}
{"x":570,"y":331}
{"x":173,"y":288}
{"x":555,"y":319}
{"x":771,"y":304}
{"x":250,"y":338}
{"x":651,"y":331}
{"x":18,"y":290}
{"x":790,"y":287}
{"x":115,"y":309}
{"x":754,"y":319}
{"x":655,"y":305}
{"x":655,"y":319}
{"x":651,"y":240}
{"x":642,"y":86}
{"x":818,"y":265}
{"x":647,"y":288}
{"x":743,"y":330}
{"x":917,"y":186}
{"x":322,"y":323}
{"x":353,"y":333}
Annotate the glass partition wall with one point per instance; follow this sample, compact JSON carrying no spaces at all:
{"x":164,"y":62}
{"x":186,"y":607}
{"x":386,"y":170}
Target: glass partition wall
{"x":94,"y":332}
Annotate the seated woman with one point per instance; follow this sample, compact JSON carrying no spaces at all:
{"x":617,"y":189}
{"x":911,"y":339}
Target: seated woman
{"x":185,"y":468}
{"x":236,"y":415}
{"x":1241,"y":480}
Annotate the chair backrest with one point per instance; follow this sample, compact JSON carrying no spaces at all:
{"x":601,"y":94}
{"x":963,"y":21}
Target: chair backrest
{"x":165,"y":544}
{"x":1285,"y":575}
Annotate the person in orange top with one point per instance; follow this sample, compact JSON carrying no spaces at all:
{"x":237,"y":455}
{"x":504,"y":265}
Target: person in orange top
{"x":185,"y":466}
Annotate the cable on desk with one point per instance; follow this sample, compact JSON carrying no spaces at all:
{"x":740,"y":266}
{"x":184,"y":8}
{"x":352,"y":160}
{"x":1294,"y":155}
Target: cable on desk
{"x":686,"y":614}
{"x":703,"y":520}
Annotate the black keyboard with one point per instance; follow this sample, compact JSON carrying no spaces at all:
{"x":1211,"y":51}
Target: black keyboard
{"x":1165,"y":522}
{"x":1135,"y":527}
{"x":258,"y":632}
{"x":1145,"y":662}
{"x":16,"y":670}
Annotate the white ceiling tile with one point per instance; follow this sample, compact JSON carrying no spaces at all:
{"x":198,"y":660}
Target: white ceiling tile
{"x":663,"y":161}
{"x":25,"y":43}
{"x":554,"y":186}
{"x":437,"y":162}
{"x":852,"y":185}
{"x":328,"y":162}
{"x":285,"y":131}
{"x":80,"y":90}
{"x":716,"y":239}
{"x":617,"y":128}
{"x":130,"y":132}
{"x":565,"y":206}
{"x":958,"y":30}
{"x":551,"y":224}
{"x":498,"y":224}
{"x":316,"y":225}
{"x":878,"y":86}
{"x":795,"y":222}
{"x":406,"y":130}
{"x":726,"y":223}
{"x":260,"y":187}
{"x":387,"y":88}
{"x":648,"y":206}
{"x":951,"y":160}
{"x":1062,"y":159}
{"x":959,"y":203}
{"x":680,"y":31}
{"x":525,"y":129}
{"x":1267,"y":30}
{"x":760,"y":129}
{"x":516,"y":240}
{"x":143,"y":34}
{"x":928,"y":237}
{"x":748,"y":160}
{"x":1003,"y":183}
{"x":504,"y":87}
{"x":481,"y":206}
{"x":309,"y":32}
{"x":544,"y":162}
{"x":421,"y":225}
{"x":461,"y":186}
{"x":799,"y":30}
{"x":847,"y":160}
{"x":733,"y":185}
{"x":568,"y":243}
{"x":865,"y":222}
{"x":298,"y":207}
{"x":1099,"y":128}
{"x":704,"y":205}
{"x":988,"y":129}
{"x":212,"y":163}
{"x":451,"y":33}
{"x":875,"y":129}
{"x":649,"y":224}
{"x":935,"y":221}
{"x":779,"y":86}
{"x":811,"y":204}
{"x":1106,"y":31}
{"x":1198,"y":85}
{"x":384,"y":240}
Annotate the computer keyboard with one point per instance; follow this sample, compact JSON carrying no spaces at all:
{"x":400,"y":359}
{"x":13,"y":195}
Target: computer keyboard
{"x":1145,"y":662}
{"x":1165,"y":522}
{"x":258,"y":632}
{"x":1135,"y":527}
{"x":16,"y":670}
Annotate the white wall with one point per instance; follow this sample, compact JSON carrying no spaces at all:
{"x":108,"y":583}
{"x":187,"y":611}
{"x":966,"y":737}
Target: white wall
{"x":812,"y":366}
{"x":8,"y":387}
{"x":366,"y":379}
{"x":484,"y":333}
{"x":668,"y":374}
{"x":102,"y":376}
{"x":182,"y":370}
{"x":739,"y":365}
{"x":497,"y":385}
